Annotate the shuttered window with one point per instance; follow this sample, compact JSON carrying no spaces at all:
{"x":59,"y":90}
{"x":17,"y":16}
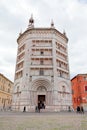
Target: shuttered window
{"x":85,"y":88}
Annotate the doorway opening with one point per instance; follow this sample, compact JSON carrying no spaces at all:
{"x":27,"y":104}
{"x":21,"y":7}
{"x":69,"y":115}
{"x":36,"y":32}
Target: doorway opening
{"x":41,"y":101}
{"x":41,"y":98}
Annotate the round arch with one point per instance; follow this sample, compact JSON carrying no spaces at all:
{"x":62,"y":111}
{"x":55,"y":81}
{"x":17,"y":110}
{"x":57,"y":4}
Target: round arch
{"x":65,"y":84}
{"x":41,"y":82}
{"x":41,"y":89}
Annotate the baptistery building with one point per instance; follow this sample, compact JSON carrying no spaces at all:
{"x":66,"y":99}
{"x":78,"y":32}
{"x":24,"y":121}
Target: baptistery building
{"x":42,"y":70}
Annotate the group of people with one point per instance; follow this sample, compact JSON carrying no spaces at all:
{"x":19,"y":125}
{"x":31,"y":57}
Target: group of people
{"x":80,"y":109}
{"x":41,"y":105}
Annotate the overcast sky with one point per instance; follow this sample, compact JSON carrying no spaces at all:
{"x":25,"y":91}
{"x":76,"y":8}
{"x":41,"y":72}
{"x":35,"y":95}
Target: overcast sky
{"x":68,"y":15}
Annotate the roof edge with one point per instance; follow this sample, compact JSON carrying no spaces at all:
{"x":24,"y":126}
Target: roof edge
{"x":64,"y":36}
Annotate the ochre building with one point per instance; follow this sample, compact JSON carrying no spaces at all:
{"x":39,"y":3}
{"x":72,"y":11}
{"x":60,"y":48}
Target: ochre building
{"x":42,"y":70}
{"x":79,"y":91}
{"x":6,"y":87}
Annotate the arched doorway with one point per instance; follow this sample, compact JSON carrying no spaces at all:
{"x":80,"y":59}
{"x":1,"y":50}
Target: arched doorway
{"x":41,"y":95}
{"x":41,"y":91}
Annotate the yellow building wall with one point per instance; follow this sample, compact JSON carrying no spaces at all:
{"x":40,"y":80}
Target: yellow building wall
{"x":5,"y":93}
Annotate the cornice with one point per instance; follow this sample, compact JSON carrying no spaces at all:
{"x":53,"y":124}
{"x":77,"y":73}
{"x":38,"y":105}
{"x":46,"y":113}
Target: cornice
{"x":42,"y":29}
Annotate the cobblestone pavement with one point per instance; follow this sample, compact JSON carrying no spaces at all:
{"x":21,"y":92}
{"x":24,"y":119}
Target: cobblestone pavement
{"x":43,"y":121}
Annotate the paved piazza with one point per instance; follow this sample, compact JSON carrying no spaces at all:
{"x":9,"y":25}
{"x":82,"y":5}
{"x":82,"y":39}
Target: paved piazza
{"x":43,"y":121}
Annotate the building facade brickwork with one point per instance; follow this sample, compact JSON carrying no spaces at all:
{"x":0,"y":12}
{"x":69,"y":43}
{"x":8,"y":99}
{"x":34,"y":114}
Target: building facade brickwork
{"x":79,"y":91}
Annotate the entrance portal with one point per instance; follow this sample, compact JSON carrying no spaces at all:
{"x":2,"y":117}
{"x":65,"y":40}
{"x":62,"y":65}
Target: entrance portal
{"x":41,"y":101}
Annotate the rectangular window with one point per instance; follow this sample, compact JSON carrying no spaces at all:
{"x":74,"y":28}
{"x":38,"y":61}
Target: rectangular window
{"x":30,"y":78}
{"x":61,"y":73}
{"x":41,"y":52}
{"x":86,"y":88}
{"x":8,"y":90}
{"x":2,"y":100}
{"x":41,"y":62}
{"x":85,"y":78}
{"x":41,"y":72}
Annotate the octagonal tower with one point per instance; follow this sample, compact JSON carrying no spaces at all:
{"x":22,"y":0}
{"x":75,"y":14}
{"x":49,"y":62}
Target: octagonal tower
{"x":42,"y":70}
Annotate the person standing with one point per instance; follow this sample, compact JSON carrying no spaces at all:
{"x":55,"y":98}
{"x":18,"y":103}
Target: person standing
{"x":82,"y":109}
{"x":78,"y":109}
{"x":24,"y":110}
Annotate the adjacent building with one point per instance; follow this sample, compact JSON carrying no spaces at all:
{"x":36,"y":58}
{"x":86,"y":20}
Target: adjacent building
{"x":79,"y":91}
{"x":6,"y":87}
{"x":42,"y":69}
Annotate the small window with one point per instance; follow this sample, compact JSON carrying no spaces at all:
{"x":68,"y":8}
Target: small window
{"x":30,"y":78}
{"x":63,"y":88}
{"x":8,"y":101}
{"x":2,"y":88}
{"x":41,"y":52}
{"x":41,"y":72}
{"x":85,"y":78}
{"x":8,"y":90}
{"x":52,"y":78}
{"x":60,"y":73}
{"x":86,"y":98}
{"x":41,"y":62}
{"x":2,"y":100}
{"x":9,"y":84}
{"x":26,"y":74}
{"x":59,"y":64}
{"x":86,"y":88}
